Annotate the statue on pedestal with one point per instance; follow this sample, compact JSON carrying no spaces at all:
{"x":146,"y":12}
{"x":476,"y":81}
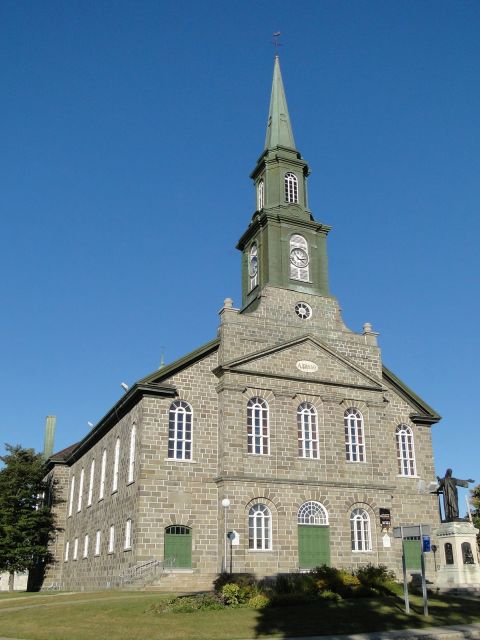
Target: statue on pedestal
{"x":448,"y":486}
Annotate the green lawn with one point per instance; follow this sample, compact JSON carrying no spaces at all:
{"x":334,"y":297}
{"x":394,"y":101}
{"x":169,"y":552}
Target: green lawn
{"x":127,"y":617}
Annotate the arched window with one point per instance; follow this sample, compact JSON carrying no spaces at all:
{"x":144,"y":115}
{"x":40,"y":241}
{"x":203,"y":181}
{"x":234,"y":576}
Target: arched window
{"x":260,"y":195}
{"x":116,"y":462}
{"x":405,"y":451}
{"x":85,"y":546}
{"x":90,"y":484}
{"x":131,"y":459}
{"x":98,"y":537}
{"x":72,"y":492}
{"x":258,"y":436}
{"x":103,"y":471}
{"x":449,"y":553}
{"x":299,"y":258}
{"x":180,"y":431}
{"x":307,"y":431}
{"x":128,"y":534}
{"x":467,"y":554}
{"x":354,"y":441}
{"x":253,"y":265}
{"x":312,"y":513}
{"x":360,"y":530}
{"x":259,"y":528}
{"x":291,"y":187}
{"x":111,"y":539}
{"x":67,"y":550}
{"x":80,"y":490}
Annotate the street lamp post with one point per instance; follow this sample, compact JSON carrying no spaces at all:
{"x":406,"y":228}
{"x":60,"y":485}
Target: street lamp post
{"x":225,"y":505}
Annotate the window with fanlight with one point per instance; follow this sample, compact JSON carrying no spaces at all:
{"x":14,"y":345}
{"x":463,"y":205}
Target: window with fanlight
{"x":291,"y":187}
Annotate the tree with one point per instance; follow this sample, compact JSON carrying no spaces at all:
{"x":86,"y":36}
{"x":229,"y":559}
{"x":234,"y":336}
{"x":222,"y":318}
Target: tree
{"x":475,"y":501}
{"x":26,"y":521}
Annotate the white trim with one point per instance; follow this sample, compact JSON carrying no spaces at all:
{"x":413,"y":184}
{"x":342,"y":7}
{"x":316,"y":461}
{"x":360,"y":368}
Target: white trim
{"x":67,"y":551}
{"x":307,"y":431}
{"x":72,"y":491}
{"x":360,"y":531}
{"x":258,"y":426}
{"x":131,"y":460}
{"x":180,"y":431}
{"x":291,"y":188}
{"x":75,"y":549}
{"x":111,"y":539}
{"x":103,"y":471}
{"x":98,"y":542}
{"x":128,"y":535}
{"x":90,"y":484}
{"x":86,"y":541}
{"x":80,"y":489}
{"x":116,"y":462}
{"x":354,"y":435}
{"x":259,"y":528}
{"x":405,"y":446}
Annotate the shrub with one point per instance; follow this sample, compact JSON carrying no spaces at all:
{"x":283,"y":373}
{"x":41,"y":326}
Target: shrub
{"x":188,"y":604}
{"x":337,"y":580}
{"x":330,"y":595}
{"x":242,"y":579}
{"x":259,"y":601}
{"x":289,"y":599}
{"x":372,"y":576}
{"x":301,"y":583}
{"x":231,"y":594}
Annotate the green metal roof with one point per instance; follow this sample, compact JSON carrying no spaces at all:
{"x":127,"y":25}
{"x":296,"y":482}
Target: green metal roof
{"x":279,"y":129}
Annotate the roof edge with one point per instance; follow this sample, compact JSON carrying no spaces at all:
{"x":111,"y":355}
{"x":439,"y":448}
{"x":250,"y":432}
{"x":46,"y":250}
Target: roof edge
{"x":427,"y":414}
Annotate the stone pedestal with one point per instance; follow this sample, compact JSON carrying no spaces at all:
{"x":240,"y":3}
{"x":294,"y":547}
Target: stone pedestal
{"x":458,"y":555}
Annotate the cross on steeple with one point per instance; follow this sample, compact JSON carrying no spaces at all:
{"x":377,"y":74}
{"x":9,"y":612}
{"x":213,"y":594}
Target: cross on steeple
{"x":276,"y":43}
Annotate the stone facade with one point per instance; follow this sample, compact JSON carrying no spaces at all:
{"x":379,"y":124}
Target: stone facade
{"x":163,"y":495}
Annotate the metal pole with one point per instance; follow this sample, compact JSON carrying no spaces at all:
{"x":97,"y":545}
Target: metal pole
{"x":231,"y":555}
{"x":424,"y":584}
{"x":405,"y":585}
{"x":225,"y":541}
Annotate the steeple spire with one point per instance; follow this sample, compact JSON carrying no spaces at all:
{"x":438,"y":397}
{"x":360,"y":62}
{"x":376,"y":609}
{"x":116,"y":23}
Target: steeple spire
{"x":279,"y":129}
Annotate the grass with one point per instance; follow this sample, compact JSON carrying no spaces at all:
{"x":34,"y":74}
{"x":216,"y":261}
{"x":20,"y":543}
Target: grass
{"x":127,"y":617}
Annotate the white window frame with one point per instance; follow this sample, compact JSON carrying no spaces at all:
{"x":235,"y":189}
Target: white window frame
{"x":261,"y":194}
{"x":291,"y":188}
{"x":67,"y":551}
{"x":405,"y":451}
{"x":258,"y":426}
{"x":131,"y":459}
{"x":90,"y":483}
{"x":259,"y":528}
{"x":111,"y":539}
{"x":116,"y":463}
{"x":312,"y":512}
{"x":86,"y":541}
{"x":80,"y":489}
{"x":128,"y":534}
{"x":253,"y":276}
{"x":307,"y":425}
{"x":354,"y":435}
{"x":72,"y":492}
{"x":103,"y":471}
{"x":360,"y":531}
{"x":98,"y":540}
{"x":180,"y":430}
{"x":75,"y":549}
{"x":299,"y":273}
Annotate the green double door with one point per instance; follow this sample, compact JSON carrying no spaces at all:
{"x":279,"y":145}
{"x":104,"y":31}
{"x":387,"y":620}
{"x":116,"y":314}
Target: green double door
{"x":178,"y":547}
{"x":313,"y":545}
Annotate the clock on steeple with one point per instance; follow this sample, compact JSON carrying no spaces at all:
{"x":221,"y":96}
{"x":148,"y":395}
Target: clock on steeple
{"x":283,"y":245}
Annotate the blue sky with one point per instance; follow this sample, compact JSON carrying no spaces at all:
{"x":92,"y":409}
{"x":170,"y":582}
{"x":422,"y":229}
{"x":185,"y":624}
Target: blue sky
{"x":128,"y":132}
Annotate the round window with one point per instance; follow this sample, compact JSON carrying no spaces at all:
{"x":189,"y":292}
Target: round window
{"x":303,"y":310}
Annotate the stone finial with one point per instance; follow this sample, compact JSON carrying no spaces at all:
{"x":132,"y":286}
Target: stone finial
{"x":370,"y":335}
{"x":228,"y":303}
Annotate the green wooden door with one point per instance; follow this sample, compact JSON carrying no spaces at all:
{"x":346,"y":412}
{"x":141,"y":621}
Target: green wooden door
{"x":178,"y":547}
{"x":412,"y":550}
{"x":313,"y":545}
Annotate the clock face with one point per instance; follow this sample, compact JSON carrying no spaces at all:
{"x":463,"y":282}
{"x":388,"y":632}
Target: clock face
{"x":299,"y":257}
{"x":253,"y":266}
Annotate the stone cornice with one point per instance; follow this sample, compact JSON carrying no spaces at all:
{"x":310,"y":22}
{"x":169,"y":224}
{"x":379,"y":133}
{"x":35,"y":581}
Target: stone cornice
{"x":314,"y":483}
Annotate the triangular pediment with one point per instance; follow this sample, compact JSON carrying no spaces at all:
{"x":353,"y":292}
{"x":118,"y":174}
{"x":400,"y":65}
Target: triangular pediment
{"x":306,"y":358}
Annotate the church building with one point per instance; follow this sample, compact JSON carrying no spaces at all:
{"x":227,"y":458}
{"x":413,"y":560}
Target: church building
{"x":280,"y":445}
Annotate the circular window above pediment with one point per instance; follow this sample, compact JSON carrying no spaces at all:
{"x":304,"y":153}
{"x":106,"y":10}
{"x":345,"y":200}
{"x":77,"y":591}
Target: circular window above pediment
{"x":303,"y":310}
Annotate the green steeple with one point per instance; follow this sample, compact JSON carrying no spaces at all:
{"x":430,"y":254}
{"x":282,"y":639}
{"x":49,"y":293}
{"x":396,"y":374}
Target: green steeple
{"x":283,"y":246}
{"x":279,"y":129}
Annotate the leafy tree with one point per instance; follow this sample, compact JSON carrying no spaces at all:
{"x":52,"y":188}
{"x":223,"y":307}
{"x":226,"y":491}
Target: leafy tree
{"x":475,"y":500}
{"x":26,"y":521}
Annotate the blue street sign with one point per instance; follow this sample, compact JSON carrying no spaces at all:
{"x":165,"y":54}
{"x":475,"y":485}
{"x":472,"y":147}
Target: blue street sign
{"x":426,"y":544}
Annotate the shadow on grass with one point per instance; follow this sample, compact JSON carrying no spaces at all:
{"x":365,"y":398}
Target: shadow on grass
{"x":362,"y":616}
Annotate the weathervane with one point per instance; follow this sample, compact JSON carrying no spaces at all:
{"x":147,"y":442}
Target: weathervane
{"x":276,"y":43}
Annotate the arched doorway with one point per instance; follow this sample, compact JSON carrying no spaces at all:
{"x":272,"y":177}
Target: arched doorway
{"x":178,"y":547}
{"x":313,"y":535}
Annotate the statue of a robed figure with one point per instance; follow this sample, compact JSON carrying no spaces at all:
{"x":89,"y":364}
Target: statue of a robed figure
{"x":448,"y":486}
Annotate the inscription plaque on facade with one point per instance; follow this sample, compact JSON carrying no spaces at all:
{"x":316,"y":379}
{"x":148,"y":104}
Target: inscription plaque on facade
{"x":307,"y":366}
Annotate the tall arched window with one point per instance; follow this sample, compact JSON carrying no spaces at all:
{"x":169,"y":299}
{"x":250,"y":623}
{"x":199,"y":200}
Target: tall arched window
{"x":299,"y":258}
{"x":258,"y":436}
{"x":312,"y":513}
{"x":80,"y":489}
{"x":180,"y":431}
{"x":360,"y":530}
{"x":307,"y":431}
{"x":131,"y":459}
{"x":116,"y":462}
{"x":90,"y":484}
{"x":405,"y":451}
{"x":354,"y":439}
{"x":260,"y":195}
{"x":128,"y":534}
{"x":253,"y":265}
{"x":103,"y":471}
{"x":291,"y":187}
{"x":72,"y":492}
{"x":259,"y":528}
